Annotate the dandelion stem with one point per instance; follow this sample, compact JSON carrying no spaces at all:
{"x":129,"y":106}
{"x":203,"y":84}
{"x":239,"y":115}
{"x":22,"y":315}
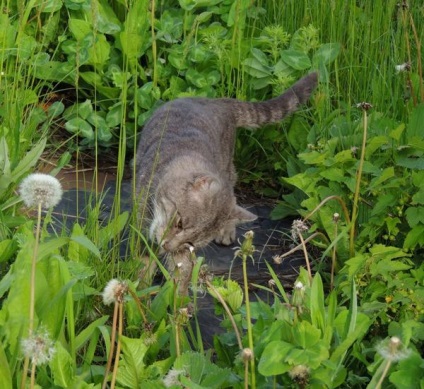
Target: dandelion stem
{"x":227,"y":309}
{"x":32,"y":298}
{"x":33,"y":268}
{"x":118,"y":345}
{"x":334,"y":197}
{"x":139,"y":306}
{"x":299,"y":246}
{"x":112,"y":344}
{"x":305,"y":252}
{"x":333,"y":258}
{"x":248,"y":320}
{"x":383,"y":374}
{"x":33,"y":375}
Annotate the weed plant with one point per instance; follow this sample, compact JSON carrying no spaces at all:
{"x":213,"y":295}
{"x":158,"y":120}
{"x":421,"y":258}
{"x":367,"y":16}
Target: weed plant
{"x":350,"y":165}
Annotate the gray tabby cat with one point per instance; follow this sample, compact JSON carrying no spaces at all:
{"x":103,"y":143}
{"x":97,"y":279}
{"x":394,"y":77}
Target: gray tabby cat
{"x":185,"y":173}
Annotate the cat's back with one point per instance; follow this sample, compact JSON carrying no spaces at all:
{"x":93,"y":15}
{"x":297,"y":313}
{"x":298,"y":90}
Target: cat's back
{"x":191,"y":112}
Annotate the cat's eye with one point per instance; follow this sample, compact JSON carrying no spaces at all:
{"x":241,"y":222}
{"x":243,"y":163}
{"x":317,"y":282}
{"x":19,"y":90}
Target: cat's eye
{"x":179,"y":223}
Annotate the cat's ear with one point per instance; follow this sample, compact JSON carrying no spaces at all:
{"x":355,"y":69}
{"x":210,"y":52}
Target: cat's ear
{"x":242,"y":215}
{"x":206,"y":183}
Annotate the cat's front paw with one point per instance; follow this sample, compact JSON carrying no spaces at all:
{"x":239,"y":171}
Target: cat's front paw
{"x":226,"y":236}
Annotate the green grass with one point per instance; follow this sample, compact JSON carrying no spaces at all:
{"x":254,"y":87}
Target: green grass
{"x":99,"y":58}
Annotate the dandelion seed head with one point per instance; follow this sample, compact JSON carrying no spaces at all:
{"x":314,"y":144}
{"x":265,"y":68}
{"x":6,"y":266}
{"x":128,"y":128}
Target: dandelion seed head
{"x":39,"y":188}
{"x":404,"y":67}
{"x":300,"y":374}
{"x":171,"y":378}
{"x":38,"y":347}
{"x":150,"y":339}
{"x":299,"y":285}
{"x":247,"y":354}
{"x":364,"y":106}
{"x":298,"y":227}
{"x":393,"y":350}
{"x":114,"y":291}
{"x":277,"y":259}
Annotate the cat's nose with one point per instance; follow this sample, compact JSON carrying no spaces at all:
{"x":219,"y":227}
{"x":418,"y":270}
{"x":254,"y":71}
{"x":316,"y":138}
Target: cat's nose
{"x":165,"y":245}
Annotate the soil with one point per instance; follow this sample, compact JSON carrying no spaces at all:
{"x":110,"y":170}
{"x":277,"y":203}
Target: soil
{"x":271,"y":237}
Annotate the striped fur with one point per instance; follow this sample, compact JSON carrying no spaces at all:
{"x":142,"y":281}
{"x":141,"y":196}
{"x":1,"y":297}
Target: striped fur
{"x":184,"y":165}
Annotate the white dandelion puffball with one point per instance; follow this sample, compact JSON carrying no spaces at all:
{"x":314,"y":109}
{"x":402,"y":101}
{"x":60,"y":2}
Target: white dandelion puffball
{"x":114,"y":291}
{"x":39,"y":188}
{"x":38,"y":347}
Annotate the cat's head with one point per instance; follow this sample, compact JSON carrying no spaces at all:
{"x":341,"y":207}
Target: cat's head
{"x":192,"y":210}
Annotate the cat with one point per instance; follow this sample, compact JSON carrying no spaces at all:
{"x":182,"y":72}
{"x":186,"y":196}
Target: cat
{"x":185,"y":175}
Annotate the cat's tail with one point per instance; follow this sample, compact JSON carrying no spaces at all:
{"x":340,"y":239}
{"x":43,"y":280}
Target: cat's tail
{"x":256,"y":114}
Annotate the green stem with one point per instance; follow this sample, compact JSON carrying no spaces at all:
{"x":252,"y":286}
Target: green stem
{"x":358,"y":186}
{"x":249,"y":322}
{"x":32,"y":296}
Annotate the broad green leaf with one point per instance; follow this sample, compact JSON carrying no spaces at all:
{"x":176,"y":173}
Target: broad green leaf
{"x":415,"y":237}
{"x":416,"y":120}
{"x":79,"y":28}
{"x":415,"y":216}
{"x":26,"y":48}
{"x":383,"y":203}
{"x":5,"y":373}
{"x":201,"y":371}
{"x":396,"y":134}
{"x":418,"y":198}
{"x":189,"y":5}
{"x":374,"y":144}
{"x":177,"y":58}
{"x":96,"y":81}
{"x":317,"y":303}
{"x":260,"y":56}
{"x":115,"y":115}
{"x":7,"y":33}
{"x":55,"y":71}
{"x":255,"y":68}
{"x":49,"y":6}
{"x":302,"y":181}
{"x":357,"y":331}
{"x":87,"y":332}
{"x":326,"y":53}
{"x":134,"y":36}
{"x":80,"y":127}
{"x":87,"y":244}
{"x":409,"y":373}
{"x":296,"y":59}
{"x":62,"y":367}
{"x":410,"y":163}
{"x":333,"y":174}
{"x":51,"y":306}
{"x":7,"y":248}
{"x":55,"y":109}
{"x":305,"y":334}
{"x":29,"y":160}
{"x":51,"y":246}
{"x":131,"y":367}
{"x":387,"y":173}
{"x":272,"y":361}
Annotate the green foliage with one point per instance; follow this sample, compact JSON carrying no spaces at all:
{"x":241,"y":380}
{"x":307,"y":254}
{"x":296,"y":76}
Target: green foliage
{"x":109,"y":64}
{"x":390,"y":205}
